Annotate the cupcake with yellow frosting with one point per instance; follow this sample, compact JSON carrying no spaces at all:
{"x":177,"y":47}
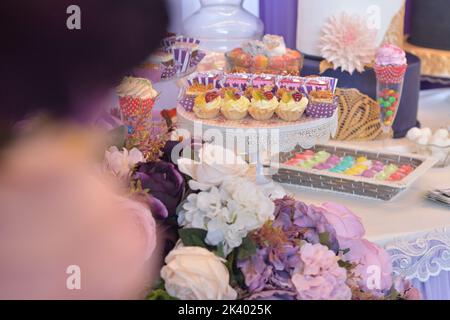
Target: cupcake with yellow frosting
{"x":207,"y":105}
{"x":291,"y":106}
{"x":263,"y":105}
{"x":235,"y":106}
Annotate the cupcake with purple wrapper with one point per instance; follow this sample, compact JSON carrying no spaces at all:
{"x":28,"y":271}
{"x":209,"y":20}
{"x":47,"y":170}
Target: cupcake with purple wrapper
{"x":156,"y":66}
{"x":195,"y":60}
{"x":196,"y":88}
{"x":290,"y":83}
{"x":182,"y":55}
{"x":263,"y":81}
{"x":319,"y":83}
{"x":322,"y":104}
{"x":191,"y":43}
{"x":170,"y":72}
{"x":205,"y":78}
{"x":169,"y":40}
{"x":237,"y":80}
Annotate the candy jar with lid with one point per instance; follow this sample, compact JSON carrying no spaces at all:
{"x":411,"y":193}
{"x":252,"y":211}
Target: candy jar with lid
{"x":222,"y":25}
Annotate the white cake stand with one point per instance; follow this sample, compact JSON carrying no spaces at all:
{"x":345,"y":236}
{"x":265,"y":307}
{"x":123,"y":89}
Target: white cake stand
{"x":258,"y":138}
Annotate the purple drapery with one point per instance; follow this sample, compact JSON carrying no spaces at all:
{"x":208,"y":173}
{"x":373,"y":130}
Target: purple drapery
{"x":436,"y":288}
{"x":280,"y":17}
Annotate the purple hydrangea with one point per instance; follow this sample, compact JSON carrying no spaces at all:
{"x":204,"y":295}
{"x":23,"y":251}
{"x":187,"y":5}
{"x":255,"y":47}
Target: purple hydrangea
{"x":278,"y":255}
{"x":300,"y":221}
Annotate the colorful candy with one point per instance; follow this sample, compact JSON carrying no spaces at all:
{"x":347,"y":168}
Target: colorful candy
{"x":387,"y":172}
{"x":317,"y":159}
{"x":349,"y":165}
{"x":388,"y":101}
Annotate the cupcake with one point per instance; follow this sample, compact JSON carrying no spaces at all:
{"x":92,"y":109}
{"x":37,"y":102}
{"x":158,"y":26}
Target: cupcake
{"x":263,"y":105}
{"x":322,"y":104}
{"x":291,"y":106}
{"x":249,"y":92}
{"x":197,"y":88}
{"x":162,"y":57}
{"x":187,"y":101}
{"x":207,"y":106}
{"x":193,"y":46}
{"x":136,"y":96}
{"x":235,"y":106}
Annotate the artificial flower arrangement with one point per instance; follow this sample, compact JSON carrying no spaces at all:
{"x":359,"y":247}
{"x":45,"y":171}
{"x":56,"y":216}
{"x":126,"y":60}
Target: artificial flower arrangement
{"x":235,"y":241}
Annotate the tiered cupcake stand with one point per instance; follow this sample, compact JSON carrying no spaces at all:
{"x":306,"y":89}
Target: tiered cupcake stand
{"x":259,"y":140}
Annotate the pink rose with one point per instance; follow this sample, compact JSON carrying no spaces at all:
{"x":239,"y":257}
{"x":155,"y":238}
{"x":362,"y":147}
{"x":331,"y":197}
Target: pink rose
{"x":374,"y":263}
{"x":345,"y":222}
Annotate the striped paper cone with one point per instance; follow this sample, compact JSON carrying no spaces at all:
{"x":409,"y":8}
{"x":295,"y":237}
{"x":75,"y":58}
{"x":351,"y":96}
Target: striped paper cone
{"x":188,"y":40}
{"x":182,"y":57}
{"x":198,"y":57}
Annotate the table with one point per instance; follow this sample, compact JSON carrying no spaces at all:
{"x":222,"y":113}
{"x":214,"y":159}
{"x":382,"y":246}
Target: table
{"x":414,"y":230}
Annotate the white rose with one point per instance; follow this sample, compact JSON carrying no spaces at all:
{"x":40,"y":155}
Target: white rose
{"x":194,"y":273}
{"x":120,"y":163}
{"x":215,"y":164}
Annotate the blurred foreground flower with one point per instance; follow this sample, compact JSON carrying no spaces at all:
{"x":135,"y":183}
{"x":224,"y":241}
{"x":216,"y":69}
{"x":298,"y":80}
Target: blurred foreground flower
{"x":164,"y":184}
{"x":120,"y":163}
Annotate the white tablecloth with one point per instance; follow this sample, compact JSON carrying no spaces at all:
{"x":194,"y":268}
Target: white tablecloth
{"x":409,"y":214}
{"x":414,"y":230}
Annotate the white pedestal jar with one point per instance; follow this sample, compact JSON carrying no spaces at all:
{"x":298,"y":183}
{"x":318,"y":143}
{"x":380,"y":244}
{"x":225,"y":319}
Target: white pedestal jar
{"x":222,"y":25}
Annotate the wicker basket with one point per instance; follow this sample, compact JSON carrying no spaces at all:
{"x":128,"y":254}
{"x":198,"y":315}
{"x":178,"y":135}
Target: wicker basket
{"x":358,"y":116}
{"x":354,"y":185}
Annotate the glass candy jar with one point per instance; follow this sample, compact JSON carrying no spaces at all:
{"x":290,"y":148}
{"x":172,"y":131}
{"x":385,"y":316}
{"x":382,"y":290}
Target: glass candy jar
{"x":222,"y":25}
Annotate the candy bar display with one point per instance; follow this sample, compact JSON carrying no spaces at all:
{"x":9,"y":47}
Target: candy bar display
{"x":353,"y":171}
{"x":267,"y":56}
